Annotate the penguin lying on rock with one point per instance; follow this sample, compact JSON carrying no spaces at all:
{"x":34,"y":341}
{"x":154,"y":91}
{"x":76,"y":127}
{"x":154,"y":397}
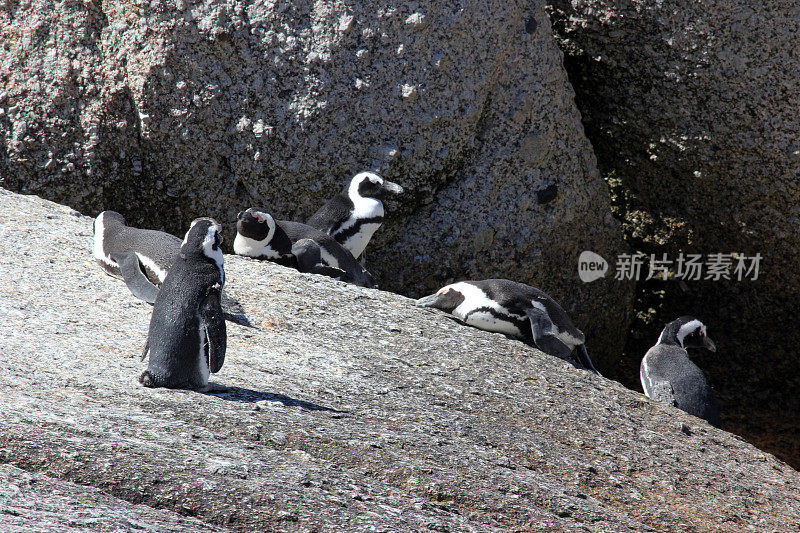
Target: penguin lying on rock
{"x":668,"y":376}
{"x":296,"y":245}
{"x":352,"y":216}
{"x":142,"y":258}
{"x":515,"y":309}
{"x":187,"y":338}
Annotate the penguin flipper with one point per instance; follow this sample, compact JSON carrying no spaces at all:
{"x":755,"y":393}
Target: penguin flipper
{"x":135,"y":279}
{"x":214,"y":327}
{"x":146,"y":348}
{"x":541,"y":328}
{"x":661,"y":391}
{"x":309,"y":259}
{"x":332,"y":272}
{"x":584,"y":359}
{"x":308,"y":255}
{"x":233,"y":311}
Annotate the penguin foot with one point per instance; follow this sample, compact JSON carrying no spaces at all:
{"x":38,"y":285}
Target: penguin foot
{"x":212,"y":387}
{"x":146,"y":379}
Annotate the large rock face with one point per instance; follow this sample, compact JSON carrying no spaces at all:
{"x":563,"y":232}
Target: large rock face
{"x":167,"y":111}
{"x":694,"y":108}
{"x":349,"y":409}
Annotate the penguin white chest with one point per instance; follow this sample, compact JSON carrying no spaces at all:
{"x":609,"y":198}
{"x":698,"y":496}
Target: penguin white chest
{"x":252,"y":248}
{"x":203,"y":366}
{"x":356,"y":243}
{"x":480,"y":311}
{"x":365,"y":219}
{"x":489,"y":322}
{"x":98,"y":249}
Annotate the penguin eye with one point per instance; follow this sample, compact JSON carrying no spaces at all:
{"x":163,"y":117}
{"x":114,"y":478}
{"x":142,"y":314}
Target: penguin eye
{"x":443,"y":291}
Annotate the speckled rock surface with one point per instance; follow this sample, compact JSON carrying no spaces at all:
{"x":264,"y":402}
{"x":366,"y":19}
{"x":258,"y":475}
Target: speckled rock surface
{"x":693,"y":107}
{"x":33,"y":503}
{"x":349,"y":409}
{"x":167,"y":111}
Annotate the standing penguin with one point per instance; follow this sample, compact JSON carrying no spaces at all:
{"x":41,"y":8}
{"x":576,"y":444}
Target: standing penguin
{"x":296,"y":245}
{"x":141,"y":257}
{"x":352,"y":216}
{"x":515,"y":309}
{"x":187,"y":337}
{"x":668,"y":376}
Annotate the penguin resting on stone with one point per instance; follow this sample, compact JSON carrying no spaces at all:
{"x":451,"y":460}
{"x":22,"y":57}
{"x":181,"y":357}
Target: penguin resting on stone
{"x":296,"y":245}
{"x":515,"y":309}
{"x":352,"y":216}
{"x":187,"y":338}
{"x":668,"y":376}
{"x":142,"y":258}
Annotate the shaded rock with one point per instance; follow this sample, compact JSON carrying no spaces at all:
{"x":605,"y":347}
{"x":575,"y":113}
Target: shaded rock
{"x":33,"y":503}
{"x":692,"y":107}
{"x":169,"y":112}
{"x":348,"y":409}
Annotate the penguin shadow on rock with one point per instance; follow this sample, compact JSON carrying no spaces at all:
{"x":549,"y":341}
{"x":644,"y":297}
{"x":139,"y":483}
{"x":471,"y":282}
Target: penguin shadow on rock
{"x":242,"y":395}
{"x":517,"y":310}
{"x":142,"y":258}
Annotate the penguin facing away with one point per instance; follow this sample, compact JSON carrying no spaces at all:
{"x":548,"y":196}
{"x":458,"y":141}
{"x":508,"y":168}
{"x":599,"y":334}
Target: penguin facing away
{"x":296,"y":245}
{"x":140,"y":257}
{"x":187,"y":338}
{"x":352,"y":216}
{"x":515,"y":309}
{"x":669,"y":376}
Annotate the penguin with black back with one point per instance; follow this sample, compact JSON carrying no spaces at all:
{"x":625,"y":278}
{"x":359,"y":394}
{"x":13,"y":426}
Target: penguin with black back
{"x":354,"y":215}
{"x":669,"y":376}
{"x":187,"y":338}
{"x":296,"y":245}
{"x":517,"y":310}
{"x":142,"y":258}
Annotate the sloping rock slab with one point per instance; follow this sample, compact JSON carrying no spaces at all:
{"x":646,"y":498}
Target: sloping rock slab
{"x":349,"y":409}
{"x":35,"y":503}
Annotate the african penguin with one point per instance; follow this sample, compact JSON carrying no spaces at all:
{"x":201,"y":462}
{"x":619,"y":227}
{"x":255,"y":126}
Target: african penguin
{"x":142,"y":258}
{"x":515,"y":309}
{"x":296,"y":245}
{"x":187,"y":336}
{"x":352,"y":216}
{"x":668,"y":376}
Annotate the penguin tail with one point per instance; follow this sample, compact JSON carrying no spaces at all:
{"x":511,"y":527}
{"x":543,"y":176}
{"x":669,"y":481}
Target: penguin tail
{"x":583,"y":357}
{"x":147,"y":379}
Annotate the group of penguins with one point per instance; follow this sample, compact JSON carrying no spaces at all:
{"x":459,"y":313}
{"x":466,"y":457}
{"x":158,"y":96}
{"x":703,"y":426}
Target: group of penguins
{"x":184,"y":281}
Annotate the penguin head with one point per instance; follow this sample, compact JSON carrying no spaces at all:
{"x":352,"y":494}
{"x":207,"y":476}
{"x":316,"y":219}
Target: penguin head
{"x":687,"y":332}
{"x":204,"y":238}
{"x":105,"y":220}
{"x":370,"y":185}
{"x":255,"y":224}
{"x":447,"y":298}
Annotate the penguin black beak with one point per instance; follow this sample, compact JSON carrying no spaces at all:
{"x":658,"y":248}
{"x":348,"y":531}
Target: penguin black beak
{"x":709,"y":344}
{"x":427,"y":301}
{"x":392,"y":188}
